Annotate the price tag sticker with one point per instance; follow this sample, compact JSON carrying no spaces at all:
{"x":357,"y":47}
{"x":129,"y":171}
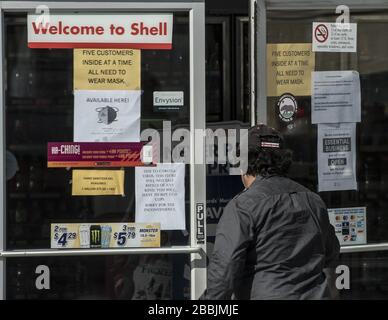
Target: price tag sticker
{"x":64,"y":236}
{"x":105,"y":235}
{"x":125,"y":237}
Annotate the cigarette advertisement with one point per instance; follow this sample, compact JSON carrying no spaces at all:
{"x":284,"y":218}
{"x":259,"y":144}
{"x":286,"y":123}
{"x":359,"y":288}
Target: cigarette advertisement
{"x":105,"y":235}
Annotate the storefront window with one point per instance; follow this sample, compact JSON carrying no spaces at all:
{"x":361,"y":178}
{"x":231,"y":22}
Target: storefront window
{"x":136,"y":277}
{"x":302,"y":134}
{"x":370,"y":154}
{"x":40,"y":109}
{"x":40,"y":103}
{"x":368,"y":276}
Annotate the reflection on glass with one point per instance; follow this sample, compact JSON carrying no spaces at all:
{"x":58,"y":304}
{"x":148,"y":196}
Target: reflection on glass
{"x":136,"y":277}
{"x":372,"y":136}
{"x":368,"y":270}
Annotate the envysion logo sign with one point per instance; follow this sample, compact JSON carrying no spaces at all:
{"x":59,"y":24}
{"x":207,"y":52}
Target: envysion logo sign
{"x":168,"y":100}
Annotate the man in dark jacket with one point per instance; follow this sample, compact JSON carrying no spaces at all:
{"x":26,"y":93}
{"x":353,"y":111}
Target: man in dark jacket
{"x":274,"y":239}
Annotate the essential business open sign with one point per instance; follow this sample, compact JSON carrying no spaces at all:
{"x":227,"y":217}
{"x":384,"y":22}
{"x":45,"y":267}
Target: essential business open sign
{"x":136,"y":31}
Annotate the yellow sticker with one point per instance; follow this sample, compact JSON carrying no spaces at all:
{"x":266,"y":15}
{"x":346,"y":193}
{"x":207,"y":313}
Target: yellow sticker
{"x":107,"y":69}
{"x":105,"y":235}
{"x":289,"y":67}
{"x":98,"y":182}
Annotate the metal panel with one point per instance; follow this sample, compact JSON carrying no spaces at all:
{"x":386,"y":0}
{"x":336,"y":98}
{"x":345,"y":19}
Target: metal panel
{"x":96,"y":6}
{"x":324,"y":4}
{"x":2,"y":164}
{"x":259,"y":60}
{"x":96,"y":252}
{"x":226,"y":93}
{"x":197,"y":154}
{"x":253,"y":50}
{"x":365,"y":248}
{"x":240,"y":68}
{"x":119,"y":1}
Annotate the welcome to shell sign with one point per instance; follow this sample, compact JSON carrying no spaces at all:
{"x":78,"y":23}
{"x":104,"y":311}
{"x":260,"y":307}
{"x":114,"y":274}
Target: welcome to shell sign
{"x":136,"y":31}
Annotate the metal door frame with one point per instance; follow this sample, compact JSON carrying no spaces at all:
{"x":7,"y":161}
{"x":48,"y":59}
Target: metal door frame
{"x":240,"y":66}
{"x":225,"y":23}
{"x":197,"y":250}
{"x":258,"y":57}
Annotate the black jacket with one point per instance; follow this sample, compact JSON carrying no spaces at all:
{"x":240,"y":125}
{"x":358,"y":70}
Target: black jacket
{"x":272,"y":242}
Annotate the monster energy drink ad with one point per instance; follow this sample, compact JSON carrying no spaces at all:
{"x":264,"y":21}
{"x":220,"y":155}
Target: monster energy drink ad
{"x":106,"y":116}
{"x":105,"y":235}
{"x":95,"y":236}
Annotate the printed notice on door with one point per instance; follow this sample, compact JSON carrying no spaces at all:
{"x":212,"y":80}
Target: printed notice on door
{"x":337,"y":157}
{"x":98,"y":182}
{"x":106,"y":69}
{"x":334,"y":37}
{"x":160,"y":195}
{"x":106,"y":116}
{"x":349,"y":225}
{"x":289,"y":67}
{"x":336,"y":97}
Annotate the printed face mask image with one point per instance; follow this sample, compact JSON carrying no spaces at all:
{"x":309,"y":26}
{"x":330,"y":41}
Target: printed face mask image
{"x":107,"y":115}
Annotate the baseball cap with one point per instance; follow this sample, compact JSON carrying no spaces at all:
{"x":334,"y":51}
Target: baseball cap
{"x":262,"y":136}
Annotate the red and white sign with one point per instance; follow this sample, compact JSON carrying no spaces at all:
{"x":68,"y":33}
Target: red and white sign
{"x":321,"y":33}
{"x":135,"y":31}
{"x":334,"y":37}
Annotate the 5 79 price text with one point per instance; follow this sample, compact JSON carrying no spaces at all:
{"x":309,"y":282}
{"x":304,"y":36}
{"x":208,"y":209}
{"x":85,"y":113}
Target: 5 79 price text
{"x":124,"y":235}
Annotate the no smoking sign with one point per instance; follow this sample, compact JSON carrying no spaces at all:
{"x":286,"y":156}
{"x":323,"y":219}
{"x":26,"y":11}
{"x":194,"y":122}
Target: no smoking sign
{"x":321,"y":33}
{"x":334,"y":37}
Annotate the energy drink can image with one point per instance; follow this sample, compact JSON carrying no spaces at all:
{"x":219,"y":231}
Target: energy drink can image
{"x":84,"y":236}
{"x":95,"y":236}
{"x":106,"y":232}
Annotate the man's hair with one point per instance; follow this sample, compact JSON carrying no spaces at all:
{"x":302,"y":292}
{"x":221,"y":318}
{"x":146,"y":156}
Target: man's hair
{"x":266,"y":153}
{"x":269,"y":161}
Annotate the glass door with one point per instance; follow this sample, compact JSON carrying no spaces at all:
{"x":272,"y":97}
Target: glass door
{"x":41,"y":106}
{"x":364,"y":236}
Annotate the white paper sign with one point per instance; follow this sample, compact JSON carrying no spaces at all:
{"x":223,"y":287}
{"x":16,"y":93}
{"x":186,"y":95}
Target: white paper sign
{"x":160,"y":195}
{"x":337,"y":157}
{"x":103,"y":30}
{"x":349,"y":225}
{"x":336,"y":97}
{"x":334,"y":37}
{"x":106,"y":116}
